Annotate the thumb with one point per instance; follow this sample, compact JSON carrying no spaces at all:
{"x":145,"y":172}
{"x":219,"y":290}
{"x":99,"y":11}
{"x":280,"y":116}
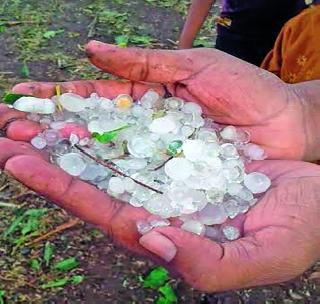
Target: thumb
{"x":166,"y":66}
{"x":257,"y":259}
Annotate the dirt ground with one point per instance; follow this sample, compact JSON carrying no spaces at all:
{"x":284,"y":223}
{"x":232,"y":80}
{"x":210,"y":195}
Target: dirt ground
{"x":43,"y":40}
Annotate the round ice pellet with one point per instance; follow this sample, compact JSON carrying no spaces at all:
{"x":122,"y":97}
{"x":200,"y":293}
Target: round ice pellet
{"x":178,"y":168}
{"x":72,"y":163}
{"x":72,"y":102}
{"x":194,"y":227}
{"x":231,"y":233}
{"x":229,"y":151}
{"x":193,"y":149}
{"x":257,"y":182}
{"x":51,"y":136}
{"x":141,"y":147}
{"x":39,"y":142}
{"x":212,"y":215}
{"x":229,"y":133}
{"x":143,"y":227}
{"x":116,"y":185}
{"x":35,"y":105}
{"x":174,"y":103}
{"x":254,"y":152}
{"x":163,"y":125}
{"x":149,"y":99}
{"x":191,"y":107}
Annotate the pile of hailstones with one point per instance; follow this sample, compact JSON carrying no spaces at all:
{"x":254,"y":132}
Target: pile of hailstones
{"x":187,"y":166}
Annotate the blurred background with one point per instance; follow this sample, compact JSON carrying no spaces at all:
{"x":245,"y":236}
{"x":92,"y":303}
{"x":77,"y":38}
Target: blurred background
{"x":47,"y":256}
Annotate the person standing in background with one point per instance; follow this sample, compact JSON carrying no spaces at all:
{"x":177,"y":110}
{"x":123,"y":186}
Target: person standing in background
{"x":246,"y":29}
{"x":296,"y":53}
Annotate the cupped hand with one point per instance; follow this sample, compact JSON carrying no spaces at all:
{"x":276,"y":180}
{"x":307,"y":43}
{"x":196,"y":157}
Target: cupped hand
{"x":281,"y":118}
{"x":280,"y":234}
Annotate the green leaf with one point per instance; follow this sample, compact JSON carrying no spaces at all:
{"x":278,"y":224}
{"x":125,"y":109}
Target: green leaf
{"x":25,"y":70}
{"x":156,"y":278}
{"x":77,"y":279}
{"x":122,"y":41}
{"x":168,"y":294}
{"x":2,"y":28}
{"x":14,"y":225}
{"x":66,"y":265}
{"x":203,"y":42}
{"x":10,"y":98}
{"x":55,"y":283}
{"x":108,"y":136}
{"x":35,"y":265}
{"x":175,"y":147}
{"x":52,"y":34}
{"x":143,"y":39}
{"x":2,"y":294}
{"x":36,"y":212}
{"x":48,"y":253}
{"x":32,"y":224}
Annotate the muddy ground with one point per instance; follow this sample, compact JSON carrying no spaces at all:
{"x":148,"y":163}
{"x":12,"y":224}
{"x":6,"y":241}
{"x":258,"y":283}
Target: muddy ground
{"x":43,"y":40}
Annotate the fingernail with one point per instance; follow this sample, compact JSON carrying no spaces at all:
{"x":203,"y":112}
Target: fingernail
{"x":159,"y":245}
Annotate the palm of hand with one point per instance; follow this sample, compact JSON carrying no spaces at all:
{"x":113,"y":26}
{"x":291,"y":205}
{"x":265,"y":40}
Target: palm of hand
{"x":285,"y":217}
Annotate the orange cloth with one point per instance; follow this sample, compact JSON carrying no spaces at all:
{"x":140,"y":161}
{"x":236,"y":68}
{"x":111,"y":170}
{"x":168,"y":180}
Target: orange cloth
{"x":296,"y":53}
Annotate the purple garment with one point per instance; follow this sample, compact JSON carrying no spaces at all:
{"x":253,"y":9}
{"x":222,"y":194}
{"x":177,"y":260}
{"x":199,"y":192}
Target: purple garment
{"x":255,"y":25}
{"x":260,"y":16}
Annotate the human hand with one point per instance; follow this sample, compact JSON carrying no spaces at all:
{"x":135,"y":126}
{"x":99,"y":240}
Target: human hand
{"x":281,"y":118}
{"x":285,"y":218}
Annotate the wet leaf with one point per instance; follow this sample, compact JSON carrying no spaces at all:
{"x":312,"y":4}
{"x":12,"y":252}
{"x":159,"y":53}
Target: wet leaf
{"x":52,"y":34}
{"x":168,"y":295}
{"x":55,"y":283}
{"x":122,"y":41}
{"x":36,"y":212}
{"x":25,"y":70}
{"x":35,"y":265}
{"x":77,"y":279}
{"x":32,"y":224}
{"x":10,"y":98}
{"x":14,"y":226}
{"x":2,"y":294}
{"x":156,"y":278}
{"x":48,"y":253}
{"x":108,"y":136}
{"x":66,"y":265}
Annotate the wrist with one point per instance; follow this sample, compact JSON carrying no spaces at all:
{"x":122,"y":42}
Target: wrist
{"x":309,"y":97}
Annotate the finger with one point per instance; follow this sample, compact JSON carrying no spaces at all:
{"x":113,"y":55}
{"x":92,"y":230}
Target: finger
{"x":162,"y":66}
{"x":7,"y":114}
{"x":79,"y":198}
{"x":23,"y":130}
{"x":104,"y":88}
{"x":210,"y":266}
{"x":10,"y":148}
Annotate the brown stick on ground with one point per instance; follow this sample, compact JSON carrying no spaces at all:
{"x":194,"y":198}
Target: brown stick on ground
{"x":51,"y":233}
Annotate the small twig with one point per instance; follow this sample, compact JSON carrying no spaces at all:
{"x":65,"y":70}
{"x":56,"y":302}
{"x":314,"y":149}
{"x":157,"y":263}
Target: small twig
{"x":115,"y":170}
{"x":8,"y":205}
{"x":3,"y":187}
{"x":172,"y":41}
{"x":92,"y":26}
{"x":162,"y":165}
{"x":58,"y":229}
